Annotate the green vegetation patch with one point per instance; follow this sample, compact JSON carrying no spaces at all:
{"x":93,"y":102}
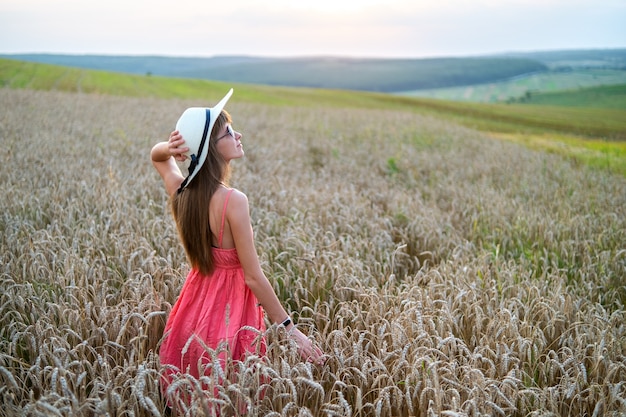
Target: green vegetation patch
{"x":519,"y":88}
{"x":602,"y":154}
{"x":607,"y":96}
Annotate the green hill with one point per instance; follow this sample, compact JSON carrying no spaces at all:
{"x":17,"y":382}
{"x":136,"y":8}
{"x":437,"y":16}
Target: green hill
{"x":373,"y":74}
{"x":515,"y":70}
{"x":382,"y":75}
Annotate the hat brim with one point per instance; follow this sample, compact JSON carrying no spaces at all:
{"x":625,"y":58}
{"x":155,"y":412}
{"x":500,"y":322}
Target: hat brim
{"x":191,"y":125}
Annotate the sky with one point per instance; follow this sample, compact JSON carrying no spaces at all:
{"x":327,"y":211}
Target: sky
{"x":283,"y":28}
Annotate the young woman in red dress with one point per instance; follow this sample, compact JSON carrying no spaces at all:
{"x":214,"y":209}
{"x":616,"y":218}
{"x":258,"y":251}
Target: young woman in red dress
{"x":226,"y":292}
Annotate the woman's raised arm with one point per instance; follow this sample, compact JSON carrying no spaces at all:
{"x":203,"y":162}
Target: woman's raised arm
{"x":161,"y":155}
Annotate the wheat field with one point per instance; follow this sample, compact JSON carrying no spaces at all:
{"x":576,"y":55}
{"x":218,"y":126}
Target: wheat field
{"x":443,"y":272}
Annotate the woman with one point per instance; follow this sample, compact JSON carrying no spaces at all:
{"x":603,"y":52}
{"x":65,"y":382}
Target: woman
{"x":226,"y":287}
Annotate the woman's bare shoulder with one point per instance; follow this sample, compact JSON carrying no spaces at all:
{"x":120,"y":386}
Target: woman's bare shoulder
{"x":218,"y":200}
{"x":238,"y":200}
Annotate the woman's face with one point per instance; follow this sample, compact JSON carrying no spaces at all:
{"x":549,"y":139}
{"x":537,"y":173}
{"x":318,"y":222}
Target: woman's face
{"x":228,"y":143}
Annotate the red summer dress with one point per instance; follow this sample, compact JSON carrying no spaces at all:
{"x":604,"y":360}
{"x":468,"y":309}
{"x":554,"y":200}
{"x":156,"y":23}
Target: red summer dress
{"x":212,"y":310}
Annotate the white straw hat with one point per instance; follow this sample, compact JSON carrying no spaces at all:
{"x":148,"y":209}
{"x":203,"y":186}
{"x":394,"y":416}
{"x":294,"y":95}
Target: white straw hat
{"x":195,"y":125}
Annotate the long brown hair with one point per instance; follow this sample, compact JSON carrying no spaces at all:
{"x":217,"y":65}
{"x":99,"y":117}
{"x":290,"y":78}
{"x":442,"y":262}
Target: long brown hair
{"x":190,"y":207}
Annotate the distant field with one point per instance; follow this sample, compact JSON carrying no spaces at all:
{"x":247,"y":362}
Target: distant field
{"x":578,"y":58}
{"x":519,"y":87}
{"x":598,"y":124}
{"x":605,"y":96}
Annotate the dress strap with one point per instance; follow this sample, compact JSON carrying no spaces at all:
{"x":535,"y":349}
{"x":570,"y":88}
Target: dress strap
{"x":224,"y":218}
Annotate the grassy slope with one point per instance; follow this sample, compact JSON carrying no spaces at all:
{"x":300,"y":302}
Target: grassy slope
{"x":515,"y":121}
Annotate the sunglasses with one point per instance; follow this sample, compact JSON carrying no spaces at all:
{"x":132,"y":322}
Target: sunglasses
{"x":229,"y":131}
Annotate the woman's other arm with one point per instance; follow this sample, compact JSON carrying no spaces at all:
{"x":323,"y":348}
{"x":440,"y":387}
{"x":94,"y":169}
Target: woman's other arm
{"x":238,"y":216}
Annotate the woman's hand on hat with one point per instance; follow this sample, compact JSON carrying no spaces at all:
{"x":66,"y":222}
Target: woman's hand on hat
{"x":308,"y":351}
{"x":174,"y":145}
